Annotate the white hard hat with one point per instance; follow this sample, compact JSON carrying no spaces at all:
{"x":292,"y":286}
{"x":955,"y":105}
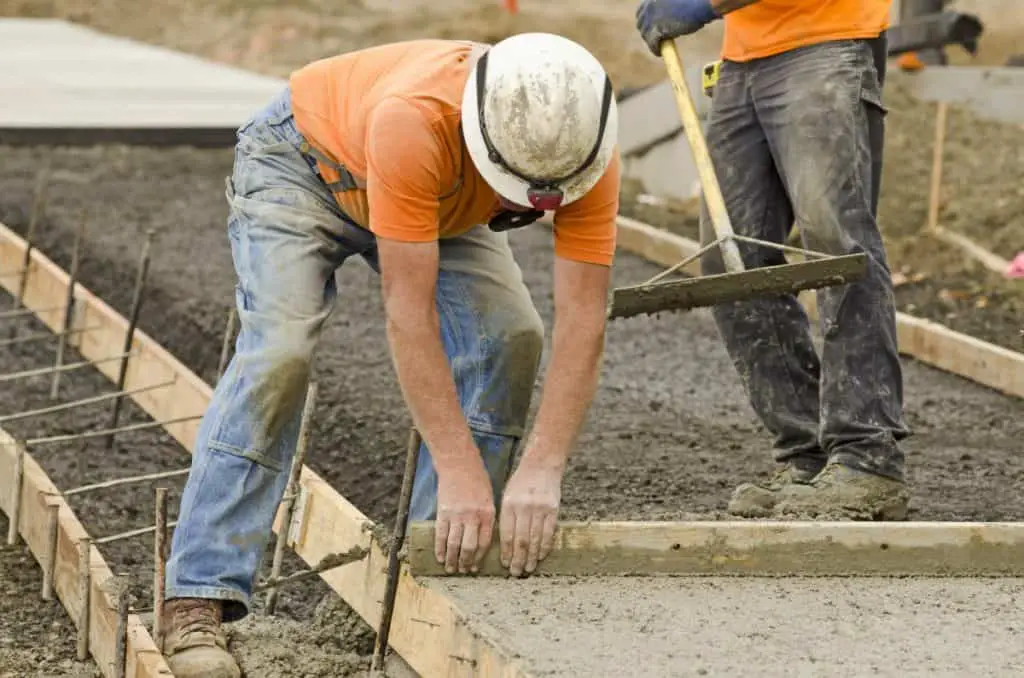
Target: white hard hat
{"x":539,"y":119}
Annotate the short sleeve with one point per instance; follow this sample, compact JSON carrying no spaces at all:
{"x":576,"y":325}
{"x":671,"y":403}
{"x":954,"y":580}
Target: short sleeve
{"x":402,"y":172}
{"x":586,"y":230}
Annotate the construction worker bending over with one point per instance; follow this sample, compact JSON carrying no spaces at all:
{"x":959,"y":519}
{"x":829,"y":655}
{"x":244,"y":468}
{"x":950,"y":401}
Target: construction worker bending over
{"x":417,"y":157}
{"x":790,"y":137}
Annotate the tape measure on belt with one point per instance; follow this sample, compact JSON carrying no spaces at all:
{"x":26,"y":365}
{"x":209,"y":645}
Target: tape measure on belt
{"x":709,"y":77}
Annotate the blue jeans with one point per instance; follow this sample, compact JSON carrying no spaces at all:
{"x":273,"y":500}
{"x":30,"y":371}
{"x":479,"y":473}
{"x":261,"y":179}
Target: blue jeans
{"x":288,"y":237}
{"x":796,"y":138}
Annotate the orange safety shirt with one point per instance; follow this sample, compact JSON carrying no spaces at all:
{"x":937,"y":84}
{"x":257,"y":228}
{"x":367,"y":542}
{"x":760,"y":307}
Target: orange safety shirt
{"x":390,"y":115}
{"x":773,"y":26}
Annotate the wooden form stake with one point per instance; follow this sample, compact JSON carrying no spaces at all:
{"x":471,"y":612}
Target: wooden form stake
{"x":291,"y":493}
{"x":18,"y":488}
{"x":85,"y":595}
{"x":69,"y":305}
{"x":124,"y":599}
{"x":50,"y":560}
{"x":129,"y":335}
{"x":159,"y":565}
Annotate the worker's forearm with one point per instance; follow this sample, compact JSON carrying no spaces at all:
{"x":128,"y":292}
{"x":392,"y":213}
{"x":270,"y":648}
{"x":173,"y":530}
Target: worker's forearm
{"x":722,"y":7}
{"x":429,"y":389}
{"x":569,"y":387}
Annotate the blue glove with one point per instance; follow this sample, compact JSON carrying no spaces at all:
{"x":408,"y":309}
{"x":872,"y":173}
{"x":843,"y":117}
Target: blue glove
{"x":660,"y":20}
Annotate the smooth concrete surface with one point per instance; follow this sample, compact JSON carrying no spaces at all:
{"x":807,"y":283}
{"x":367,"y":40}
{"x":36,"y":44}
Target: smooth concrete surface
{"x":60,"y":81}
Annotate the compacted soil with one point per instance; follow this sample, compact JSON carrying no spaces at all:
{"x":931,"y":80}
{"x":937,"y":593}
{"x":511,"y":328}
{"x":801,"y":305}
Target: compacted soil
{"x":669,"y":436}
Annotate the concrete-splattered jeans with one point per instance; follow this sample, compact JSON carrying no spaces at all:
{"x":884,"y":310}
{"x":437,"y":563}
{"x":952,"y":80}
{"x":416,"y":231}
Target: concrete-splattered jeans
{"x":288,"y":238}
{"x":791,"y":140}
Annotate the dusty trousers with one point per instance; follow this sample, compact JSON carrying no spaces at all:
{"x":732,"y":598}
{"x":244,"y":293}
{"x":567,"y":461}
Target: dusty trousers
{"x":796,"y":141}
{"x":288,"y":238}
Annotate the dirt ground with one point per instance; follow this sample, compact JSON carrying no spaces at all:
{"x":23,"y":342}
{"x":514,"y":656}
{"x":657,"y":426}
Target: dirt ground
{"x":670,"y":434}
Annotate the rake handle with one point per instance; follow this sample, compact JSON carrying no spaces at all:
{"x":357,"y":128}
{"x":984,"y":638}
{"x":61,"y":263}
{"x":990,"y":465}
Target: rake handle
{"x":705,"y":169}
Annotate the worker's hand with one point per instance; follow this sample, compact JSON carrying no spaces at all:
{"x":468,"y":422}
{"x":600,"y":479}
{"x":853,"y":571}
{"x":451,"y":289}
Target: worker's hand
{"x":660,"y":20}
{"x":465,"y":518}
{"x":529,"y":513}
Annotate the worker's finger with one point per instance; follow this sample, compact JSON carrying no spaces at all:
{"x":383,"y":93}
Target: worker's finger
{"x":547,"y":539}
{"x":507,"y":529}
{"x":536,"y":532}
{"x":470,"y":537}
{"x":451,"y":559}
{"x":486,"y":534}
{"x":521,"y":543}
{"x":441,"y":527}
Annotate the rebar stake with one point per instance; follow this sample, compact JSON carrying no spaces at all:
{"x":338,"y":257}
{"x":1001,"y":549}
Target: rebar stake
{"x":291,"y":493}
{"x":225,"y":347}
{"x":124,"y":597}
{"x":129,"y":337}
{"x":42,"y":183}
{"x":19,"y":480}
{"x":159,"y":566}
{"x":401,"y":521}
{"x":43,"y":371}
{"x":84,"y":595}
{"x":69,"y":305}
{"x":50,"y":564}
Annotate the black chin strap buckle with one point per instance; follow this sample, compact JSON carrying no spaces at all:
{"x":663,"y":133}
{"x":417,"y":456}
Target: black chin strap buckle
{"x":506,"y":220}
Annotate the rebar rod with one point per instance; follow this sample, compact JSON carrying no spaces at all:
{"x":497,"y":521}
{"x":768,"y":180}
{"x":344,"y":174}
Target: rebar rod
{"x":42,"y":336}
{"x":69,"y":304}
{"x":130,"y":533}
{"x":42,"y":183}
{"x":19,"y":312}
{"x":107,"y":484}
{"x":129,"y":337}
{"x":103,"y":432}
{"x":44,"y":371}
{"x":225,"y":347}
{"x":292,"y":491}
{"x":53,"y":409}
{"x":328,"y":562}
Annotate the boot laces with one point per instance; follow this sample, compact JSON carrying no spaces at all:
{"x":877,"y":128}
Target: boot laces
{"x":196,"y":617}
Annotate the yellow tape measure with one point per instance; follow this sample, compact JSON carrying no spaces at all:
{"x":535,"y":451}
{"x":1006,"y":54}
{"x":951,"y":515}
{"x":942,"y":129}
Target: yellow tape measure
{"x":709,"y":77}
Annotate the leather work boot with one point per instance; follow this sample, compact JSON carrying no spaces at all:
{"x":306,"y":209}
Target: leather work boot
{"x":841,"y":492}
{"x":756,"y":500}
{"x":194,"y":642}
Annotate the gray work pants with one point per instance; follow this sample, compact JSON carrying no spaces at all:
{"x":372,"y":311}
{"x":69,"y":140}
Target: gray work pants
{"x":796,"y":139}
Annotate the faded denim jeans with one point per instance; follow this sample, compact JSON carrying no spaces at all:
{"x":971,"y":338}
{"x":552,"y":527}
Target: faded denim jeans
{"x":796,"y":139}
{"x":288,"y":237}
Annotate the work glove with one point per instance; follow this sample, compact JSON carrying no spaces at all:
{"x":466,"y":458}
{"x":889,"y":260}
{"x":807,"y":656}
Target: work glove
{"x":660,"y":20}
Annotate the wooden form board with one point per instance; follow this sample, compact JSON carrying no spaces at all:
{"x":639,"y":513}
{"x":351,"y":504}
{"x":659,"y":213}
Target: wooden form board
{"x":762,"y":548}
{"x":929,"y":342}
{"x":143,"y":659}
{"x":428,"y":630}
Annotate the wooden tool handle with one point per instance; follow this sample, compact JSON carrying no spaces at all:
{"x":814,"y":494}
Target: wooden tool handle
{"x":705,"y":169}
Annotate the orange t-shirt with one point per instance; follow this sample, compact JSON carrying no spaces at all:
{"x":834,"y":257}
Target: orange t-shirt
{"x":390,"y":115}
{"x":772,"y":26}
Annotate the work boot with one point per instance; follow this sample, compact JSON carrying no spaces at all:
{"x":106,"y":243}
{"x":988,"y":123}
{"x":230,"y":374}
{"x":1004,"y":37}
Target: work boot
{"x":756,"y":500}
{"x":841,"y":492}
{"x":194,"y":642}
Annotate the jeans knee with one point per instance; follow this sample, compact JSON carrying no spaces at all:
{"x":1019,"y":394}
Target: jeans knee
{"x":257,"y":405}
{"x":509,"y":371}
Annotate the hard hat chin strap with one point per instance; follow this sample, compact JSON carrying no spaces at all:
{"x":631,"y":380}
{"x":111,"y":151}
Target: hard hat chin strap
{"x":544,"y":194}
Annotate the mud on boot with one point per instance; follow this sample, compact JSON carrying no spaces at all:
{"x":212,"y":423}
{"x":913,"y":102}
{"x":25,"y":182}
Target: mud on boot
{"x":756,"y":500}
{"x":840,"y":492}
{"x":195,"y":645}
